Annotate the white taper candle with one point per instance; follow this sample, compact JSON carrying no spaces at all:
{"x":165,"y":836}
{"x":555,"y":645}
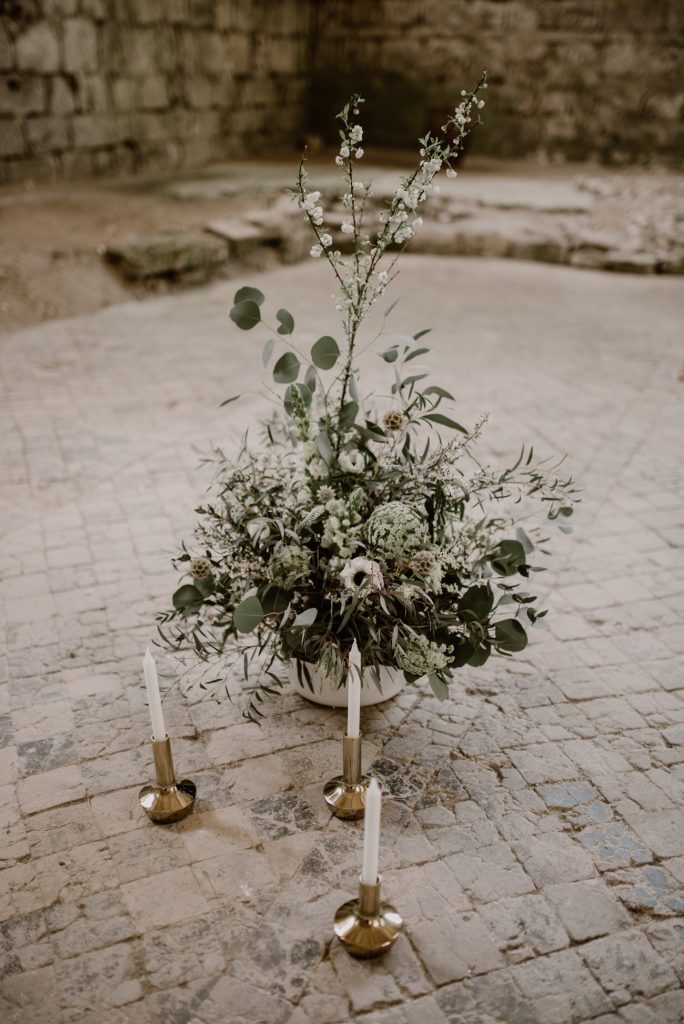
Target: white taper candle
{"x":354,"y":692}
{"x":371,"y":834}
{"x":153,"y":698}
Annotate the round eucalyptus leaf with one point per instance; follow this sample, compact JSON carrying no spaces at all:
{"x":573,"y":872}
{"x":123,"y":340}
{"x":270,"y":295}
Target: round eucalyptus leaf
{"x":286,"y":369}
{"x":186,"y":596}
{"x":245,"y":314}
{"x":251,"y":294}
{"x":248,"y":614}
{"x":324,"y":353}
{"x":286,"y":321}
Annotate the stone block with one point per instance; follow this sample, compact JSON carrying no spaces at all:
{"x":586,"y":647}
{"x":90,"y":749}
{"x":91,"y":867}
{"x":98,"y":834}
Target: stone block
{"x":6,"y":60}
{"x":147,"y":12}
{"x":199,"y":91}
{"x":93,"y":130}
{"x":561,"y":988}
{"x":627,"y":961}
{"x":169,"y":255}
{"x":95,"y":9}
{"x":48,"y":134}
{"x":124,"y":92}
{"x":525,"y":926}
{"x":61,"y":8}
{"x":38,"y":49}
{"x":63,"y":95}
{"x":586,"y":909}
{"x":11,"y":139}
{"x":662,"y":831}
{"x":80,"y":45}
{"x":554,"y":857}
{"x":153,"y":93}
{"x":242,"y":238}
{"x":21,"y":95}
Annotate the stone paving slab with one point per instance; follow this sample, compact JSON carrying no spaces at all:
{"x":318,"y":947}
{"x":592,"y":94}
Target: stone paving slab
{"x":533,"y":836}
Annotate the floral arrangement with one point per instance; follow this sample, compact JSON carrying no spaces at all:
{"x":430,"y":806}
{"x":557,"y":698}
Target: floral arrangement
{"x":352,"y":519}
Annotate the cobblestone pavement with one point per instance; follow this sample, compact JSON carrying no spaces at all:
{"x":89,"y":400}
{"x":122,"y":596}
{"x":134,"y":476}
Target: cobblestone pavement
{"x":534,"y":834}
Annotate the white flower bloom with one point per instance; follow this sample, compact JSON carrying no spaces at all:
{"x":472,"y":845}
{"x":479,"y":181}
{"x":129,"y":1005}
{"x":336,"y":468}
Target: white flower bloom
{"x":360,"y":572}
{"x":356,"y":133}
{"x":326,"y":240}
{"x":358,"y":154}
{"x":359,"y":188}
{"x":311,"y":200}
{"x":315,"y":251}
{"x":344,"y":152}
{"x":339,"y":161}
{"x":351,"y":462}
{"x":418,"y":222}
{"x":382,"y":276}
{"x":451,"y":173}
{"x":347,"y":228}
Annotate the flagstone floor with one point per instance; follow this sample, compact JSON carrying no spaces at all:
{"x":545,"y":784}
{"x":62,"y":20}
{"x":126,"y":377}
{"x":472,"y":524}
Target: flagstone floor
{"x":533,"y":836}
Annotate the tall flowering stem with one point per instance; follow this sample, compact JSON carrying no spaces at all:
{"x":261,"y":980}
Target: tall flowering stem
{"x":361,"y":280}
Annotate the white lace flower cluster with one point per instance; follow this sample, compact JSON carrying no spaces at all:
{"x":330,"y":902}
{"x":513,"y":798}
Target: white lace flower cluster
{"x":288,"y":563}
{"x":396,"y":530}
{"x":420,"y":656}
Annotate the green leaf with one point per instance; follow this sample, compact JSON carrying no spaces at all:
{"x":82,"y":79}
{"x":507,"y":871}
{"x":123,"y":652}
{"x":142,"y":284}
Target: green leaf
{"x":480,"y":655}
{"x":324,"y":353}
{"x":477,"y":602}
{"x":391,"y":306}
{"x":435,"y":389}
{"x":248,"y":614}
{"x":444,"y":421}
{"x":439,"y":687}
{"x":508,"y":557}
{"x":348,"y":414}
{"x":187,"y":596}
{"x":510,"y":635}
{"x":228,"y":401}
{"x":390,"y":355}
{"x":304,"y":393}
{"x":286,"y":369}
{"x":249,"y":295}
{"x":305,"y":618}
{"x":245,"y":314}
{"x":286,"y":321}
{"x":273,"y":600}
{"x":416,"y":352}
{"x":268,"y":351}
{"x":310,"y":379}
{"x":420,"y":334}
{"x":325,"y":447}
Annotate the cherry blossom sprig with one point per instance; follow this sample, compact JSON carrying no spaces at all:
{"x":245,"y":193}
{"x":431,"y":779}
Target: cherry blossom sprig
{"x":360,"y":278}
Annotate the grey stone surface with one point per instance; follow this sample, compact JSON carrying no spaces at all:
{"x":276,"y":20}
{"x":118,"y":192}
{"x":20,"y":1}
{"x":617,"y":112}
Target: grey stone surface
{"x":531,"y":835}
{"x":171,"y":254}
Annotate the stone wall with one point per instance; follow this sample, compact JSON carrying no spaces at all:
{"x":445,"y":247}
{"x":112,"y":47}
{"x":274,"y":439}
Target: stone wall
{"x":570,"y":79}
{"x":100,"y":86}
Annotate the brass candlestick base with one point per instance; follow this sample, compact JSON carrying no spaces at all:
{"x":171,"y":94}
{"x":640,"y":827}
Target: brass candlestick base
{"x":345,"y":795}
{"x":366,"y":927}
{"x":168,"y":800}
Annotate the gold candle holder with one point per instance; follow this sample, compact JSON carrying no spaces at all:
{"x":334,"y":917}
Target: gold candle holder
{"x":168,"y":800}
{"x":345,"y":795}
{"x":366,"y":926}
